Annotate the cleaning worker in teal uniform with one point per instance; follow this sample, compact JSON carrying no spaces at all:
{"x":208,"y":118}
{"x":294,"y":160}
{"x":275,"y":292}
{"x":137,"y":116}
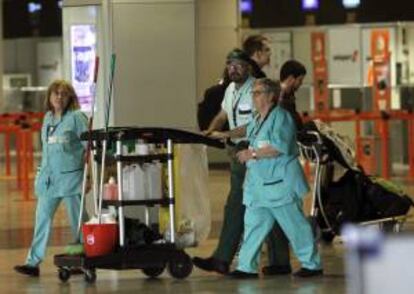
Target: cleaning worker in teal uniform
{"x":274,"y":186}
{"x":59,"y":177}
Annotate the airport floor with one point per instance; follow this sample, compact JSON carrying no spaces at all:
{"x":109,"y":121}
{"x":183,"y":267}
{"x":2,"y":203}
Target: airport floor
{"x":16,"y":224}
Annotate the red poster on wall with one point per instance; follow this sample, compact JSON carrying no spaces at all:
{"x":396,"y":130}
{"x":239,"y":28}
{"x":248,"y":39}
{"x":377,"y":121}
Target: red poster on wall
{"x":381,"y":69}
{"x":320,"y":72}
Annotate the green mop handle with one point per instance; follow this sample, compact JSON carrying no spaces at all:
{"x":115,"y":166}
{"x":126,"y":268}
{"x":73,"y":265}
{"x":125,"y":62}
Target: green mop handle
{"x":104,"y":147}
{"x":111,"y":82}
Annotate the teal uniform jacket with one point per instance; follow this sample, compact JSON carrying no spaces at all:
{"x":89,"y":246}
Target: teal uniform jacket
{"x":276,"y":181}
{"x":61,"y":169}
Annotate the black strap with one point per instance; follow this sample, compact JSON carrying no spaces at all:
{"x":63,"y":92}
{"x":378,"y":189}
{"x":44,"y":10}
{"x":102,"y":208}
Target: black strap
{"x":236,"y":105}
{"x":262,"y":122}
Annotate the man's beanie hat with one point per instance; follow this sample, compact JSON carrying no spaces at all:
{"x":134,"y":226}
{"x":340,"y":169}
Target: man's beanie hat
{"x":238,"y":54}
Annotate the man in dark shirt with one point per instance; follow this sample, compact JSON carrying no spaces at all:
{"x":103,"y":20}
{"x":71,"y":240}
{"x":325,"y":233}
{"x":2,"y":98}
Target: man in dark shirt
{"x":292,"y":74}
{"x":211,"y":104}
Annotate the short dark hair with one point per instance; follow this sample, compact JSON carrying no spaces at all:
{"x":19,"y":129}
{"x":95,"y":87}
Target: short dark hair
{"x":253,"y":43}
{"x":292,"y":68}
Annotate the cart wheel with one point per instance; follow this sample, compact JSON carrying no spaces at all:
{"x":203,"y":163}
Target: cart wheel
{"x":64,"y":274}
{"x":153,"y":272}
{"x":181,"y":266}
{"x":327,"y":237}
{"x":90,"y":276}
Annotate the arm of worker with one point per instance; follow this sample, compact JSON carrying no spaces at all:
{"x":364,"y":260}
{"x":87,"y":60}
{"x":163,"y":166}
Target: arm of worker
{"x":239,"y":132}
{"x":283,"y":133}
{"x":282,"y":140}
{"x":217,"y":123}
{"x":257,"y":154}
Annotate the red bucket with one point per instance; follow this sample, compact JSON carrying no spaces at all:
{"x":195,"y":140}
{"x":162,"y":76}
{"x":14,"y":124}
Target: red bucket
{"x":99,"y":239}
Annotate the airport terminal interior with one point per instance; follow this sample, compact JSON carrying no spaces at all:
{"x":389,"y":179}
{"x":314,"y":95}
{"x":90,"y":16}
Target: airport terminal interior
{"x":129,"y":111}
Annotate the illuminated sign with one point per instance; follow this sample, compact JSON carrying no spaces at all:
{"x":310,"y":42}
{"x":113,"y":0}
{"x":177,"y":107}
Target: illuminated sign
{"x":83,"y":52}
{"x":310,"y":4}
{"x":351,"y":3}
{"x":246,"y":6}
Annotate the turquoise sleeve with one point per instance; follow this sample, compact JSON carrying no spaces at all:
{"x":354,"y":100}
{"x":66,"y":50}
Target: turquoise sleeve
{"x":283,"y":133}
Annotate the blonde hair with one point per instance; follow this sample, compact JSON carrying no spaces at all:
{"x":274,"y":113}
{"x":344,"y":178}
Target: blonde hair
{"x":73,"y":103}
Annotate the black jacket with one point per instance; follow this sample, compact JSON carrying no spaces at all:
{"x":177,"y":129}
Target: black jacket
{"x":288,"y":102}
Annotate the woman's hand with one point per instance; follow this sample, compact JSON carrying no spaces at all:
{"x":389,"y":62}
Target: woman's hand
{"x":245,"y":155}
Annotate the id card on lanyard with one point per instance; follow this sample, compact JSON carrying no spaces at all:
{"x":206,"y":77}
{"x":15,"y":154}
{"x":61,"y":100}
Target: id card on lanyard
{"x":50,"y":130}
{"x":258,"y":126}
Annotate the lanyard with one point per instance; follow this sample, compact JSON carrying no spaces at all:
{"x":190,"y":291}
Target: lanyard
{"x":256,"y":132}
{"x":51,"y":129}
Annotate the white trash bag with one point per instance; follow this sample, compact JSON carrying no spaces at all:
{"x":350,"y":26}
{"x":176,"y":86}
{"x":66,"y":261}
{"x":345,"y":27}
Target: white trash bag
{"x":193,"y":203}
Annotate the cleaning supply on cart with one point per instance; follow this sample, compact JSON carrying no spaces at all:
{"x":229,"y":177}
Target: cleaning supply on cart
{"x":186,"y":236}
{"x":110,"y":190}
{"x":138,"y":233}
{"x":100,"y":239}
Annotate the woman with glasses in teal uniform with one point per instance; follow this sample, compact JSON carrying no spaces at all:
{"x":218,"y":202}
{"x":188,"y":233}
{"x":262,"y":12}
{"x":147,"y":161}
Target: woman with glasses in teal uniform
{"x":274,"y":186}
{"x":60,"y":174}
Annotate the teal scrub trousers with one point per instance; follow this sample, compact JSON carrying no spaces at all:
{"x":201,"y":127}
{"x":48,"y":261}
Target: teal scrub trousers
{"x":259,"y":222}
{"x":233,"y":223}
{"x":45,"y":211}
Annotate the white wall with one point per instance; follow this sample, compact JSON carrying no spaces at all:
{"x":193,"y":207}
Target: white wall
{"x":21,"y":55}
{"x":218,"y":22}
{"x":155,"y":82}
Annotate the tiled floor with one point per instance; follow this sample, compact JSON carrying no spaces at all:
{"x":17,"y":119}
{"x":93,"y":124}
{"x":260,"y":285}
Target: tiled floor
{"x":16,"y":223}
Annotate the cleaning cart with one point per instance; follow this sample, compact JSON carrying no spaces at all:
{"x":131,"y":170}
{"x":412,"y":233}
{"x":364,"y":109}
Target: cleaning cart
{"x":152,"y":259}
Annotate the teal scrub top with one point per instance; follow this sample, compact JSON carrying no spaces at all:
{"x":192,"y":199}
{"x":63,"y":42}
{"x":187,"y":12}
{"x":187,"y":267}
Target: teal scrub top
{"x":61,"y":169}
{"x":276,"y":181}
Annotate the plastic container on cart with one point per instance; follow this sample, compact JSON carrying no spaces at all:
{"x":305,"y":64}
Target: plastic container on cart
{"x":134,"y":182}
{"x":141,"y":148}
{"x":110,"y":190}
{"x":142,"y":181}
{"x":154,"y":180}
{"x":99,"y":239}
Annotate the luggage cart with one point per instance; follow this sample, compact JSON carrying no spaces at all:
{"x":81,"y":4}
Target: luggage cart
{"x":312,"y":149}
{"x":154,"y":258}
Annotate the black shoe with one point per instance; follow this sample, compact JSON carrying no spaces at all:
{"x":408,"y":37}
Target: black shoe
{"x":243,"y":275}
{"x":211,"y":264}
{"x":307,"y":273}
{"x":32,"y":271}
{"x":274,"y":270}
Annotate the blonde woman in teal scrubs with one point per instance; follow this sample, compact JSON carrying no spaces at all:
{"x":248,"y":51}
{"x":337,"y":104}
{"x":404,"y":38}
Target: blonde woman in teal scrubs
{"x":274,"y":186}
{"x":60,"y":175}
